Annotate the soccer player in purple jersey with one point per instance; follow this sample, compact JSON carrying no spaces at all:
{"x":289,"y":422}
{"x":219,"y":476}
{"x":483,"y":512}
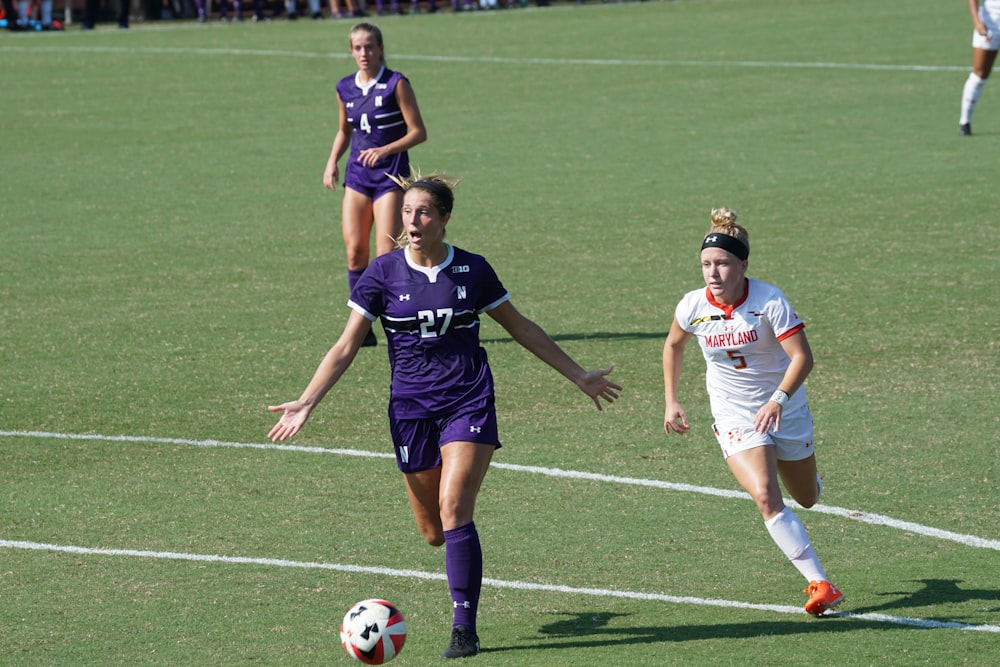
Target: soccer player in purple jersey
{"x":757,"y":359}
{"x":429,"y":296}
{"x":380,"y":121}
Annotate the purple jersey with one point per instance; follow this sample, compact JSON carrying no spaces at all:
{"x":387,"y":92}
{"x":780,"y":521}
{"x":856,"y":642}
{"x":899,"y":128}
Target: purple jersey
{"x":431,"y":322}
{"x":373,"y":111}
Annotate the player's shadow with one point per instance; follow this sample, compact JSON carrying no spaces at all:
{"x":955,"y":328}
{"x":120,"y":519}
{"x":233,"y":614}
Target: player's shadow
{"x":934,"y":592}
{"x":590,"y":629}
{"x":596,"y":335}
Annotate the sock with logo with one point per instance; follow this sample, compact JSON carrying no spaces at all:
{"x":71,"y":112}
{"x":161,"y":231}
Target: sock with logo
{"x":463,"y":561}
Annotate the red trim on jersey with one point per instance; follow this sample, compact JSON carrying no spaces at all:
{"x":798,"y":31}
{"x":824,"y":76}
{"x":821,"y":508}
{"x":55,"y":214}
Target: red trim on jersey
{"x":793,"y":330}
{"x":728,"y":310}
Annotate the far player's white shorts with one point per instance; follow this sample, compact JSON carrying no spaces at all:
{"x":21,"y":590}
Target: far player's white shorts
{"x":990,"y":42}
{"x":794,"y":441}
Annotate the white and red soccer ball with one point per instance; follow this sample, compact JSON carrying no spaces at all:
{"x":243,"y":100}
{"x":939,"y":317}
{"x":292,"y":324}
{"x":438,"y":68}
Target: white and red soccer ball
{"x":373,"y":631}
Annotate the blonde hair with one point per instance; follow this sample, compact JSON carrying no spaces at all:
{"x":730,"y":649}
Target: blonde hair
{"x":439,"y":187}
{"x":724,"y":222}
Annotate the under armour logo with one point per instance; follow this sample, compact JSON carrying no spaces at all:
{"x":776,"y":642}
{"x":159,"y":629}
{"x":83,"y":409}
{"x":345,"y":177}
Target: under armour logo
{"x":404,"y":297}
{"x":475,"y":429}
{"x":464,"y":605}
{"x":712,"y":239}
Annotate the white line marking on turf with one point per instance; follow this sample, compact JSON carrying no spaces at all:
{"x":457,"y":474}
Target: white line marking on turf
{"x":599,"y":62}
{"x":496,"y":583}
{"x":864,"y":517}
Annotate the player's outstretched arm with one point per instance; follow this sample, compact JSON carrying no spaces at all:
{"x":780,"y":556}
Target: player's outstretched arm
{"x":534,"y":339}
{"x":294,"y":414}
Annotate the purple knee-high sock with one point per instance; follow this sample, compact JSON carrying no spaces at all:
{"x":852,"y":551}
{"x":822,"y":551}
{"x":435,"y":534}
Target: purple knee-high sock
{"x":352,"y":277}
{"x":463,"y":561}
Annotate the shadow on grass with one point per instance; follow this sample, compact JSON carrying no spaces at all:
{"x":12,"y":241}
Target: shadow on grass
{"x":934,"y":592}
{"x":590,"y":629}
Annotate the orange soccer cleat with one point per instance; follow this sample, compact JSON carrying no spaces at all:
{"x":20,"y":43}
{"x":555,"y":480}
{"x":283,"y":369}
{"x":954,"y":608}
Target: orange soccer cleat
{"x":822,"y":596}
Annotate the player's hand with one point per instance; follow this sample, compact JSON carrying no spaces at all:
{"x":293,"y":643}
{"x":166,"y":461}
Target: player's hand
{"x":674,"y":420}
{"x":330,"y":178}
{"x":295,"y":414}
{"x":767,"y":418}
{"x":370,"y":156}
{"x":596,"y":385}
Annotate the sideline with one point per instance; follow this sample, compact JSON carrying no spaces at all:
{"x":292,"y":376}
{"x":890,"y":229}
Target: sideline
{"x":599,"y":62}
{"x":856,"y":515}
{"x":929,"y":624}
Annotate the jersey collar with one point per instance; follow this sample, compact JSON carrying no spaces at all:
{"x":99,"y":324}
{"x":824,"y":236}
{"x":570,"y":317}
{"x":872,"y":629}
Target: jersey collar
{"x":365,"y":87}
{"x":728,"y":310}
{"x":432,"y":271}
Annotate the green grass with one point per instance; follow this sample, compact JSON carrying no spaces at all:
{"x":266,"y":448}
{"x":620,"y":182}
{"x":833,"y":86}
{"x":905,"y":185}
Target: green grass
{"x":171,"y":265}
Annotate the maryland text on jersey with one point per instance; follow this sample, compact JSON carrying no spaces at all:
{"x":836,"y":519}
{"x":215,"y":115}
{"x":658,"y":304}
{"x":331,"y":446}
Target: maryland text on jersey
{"x":734,"y":339}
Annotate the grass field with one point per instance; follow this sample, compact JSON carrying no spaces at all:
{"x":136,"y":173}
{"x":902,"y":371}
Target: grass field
{"x":170,"y":264}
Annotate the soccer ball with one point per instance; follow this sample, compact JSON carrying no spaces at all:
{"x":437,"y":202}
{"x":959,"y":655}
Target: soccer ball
{"x":373,"y":631}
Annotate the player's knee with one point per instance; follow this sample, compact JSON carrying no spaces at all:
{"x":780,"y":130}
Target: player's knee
{"x":806,"y":501}
{"x":768,"y":503}
{"x":357,"y":257}
{"x":454,"y":512}
{"x":434,"y":534}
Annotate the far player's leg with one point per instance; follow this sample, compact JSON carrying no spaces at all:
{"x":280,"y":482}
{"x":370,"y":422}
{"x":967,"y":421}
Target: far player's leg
{"x":982,"y":66}
{"x":356,"y":225}
{"x":388,"y":220}
{"x":357,"y":230}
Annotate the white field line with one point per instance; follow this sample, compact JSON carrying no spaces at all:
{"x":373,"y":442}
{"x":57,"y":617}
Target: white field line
{"x":496,"y":583}
{"x":548,"y":62}
{"x":856,"y":515}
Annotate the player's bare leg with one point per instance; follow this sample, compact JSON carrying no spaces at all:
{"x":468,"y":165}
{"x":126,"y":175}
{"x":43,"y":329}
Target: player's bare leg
{"x":800,"y":480}
{"x":388,"y":221}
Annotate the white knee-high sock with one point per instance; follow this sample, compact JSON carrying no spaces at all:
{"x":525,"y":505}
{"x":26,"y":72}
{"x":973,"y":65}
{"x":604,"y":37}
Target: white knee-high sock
{"x":970,"y":95}
{"x":790,"y":535}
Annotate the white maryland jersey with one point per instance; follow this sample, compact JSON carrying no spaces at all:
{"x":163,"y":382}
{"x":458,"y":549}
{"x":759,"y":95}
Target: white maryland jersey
{"x":742,"y":349}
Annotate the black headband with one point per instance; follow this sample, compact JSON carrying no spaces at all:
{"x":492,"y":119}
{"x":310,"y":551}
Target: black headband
{"x":441,"y":192}
{"x":727,"y":243}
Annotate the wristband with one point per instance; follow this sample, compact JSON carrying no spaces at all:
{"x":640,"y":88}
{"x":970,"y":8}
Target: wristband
{"x":779,"y":397}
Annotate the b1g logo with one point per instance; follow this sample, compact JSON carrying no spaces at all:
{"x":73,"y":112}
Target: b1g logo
{"x":460,"y":269}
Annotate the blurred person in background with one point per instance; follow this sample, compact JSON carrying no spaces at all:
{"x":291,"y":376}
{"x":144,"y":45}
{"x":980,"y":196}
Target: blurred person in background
{"x":379,"y":120}
{"x":985,"y":42}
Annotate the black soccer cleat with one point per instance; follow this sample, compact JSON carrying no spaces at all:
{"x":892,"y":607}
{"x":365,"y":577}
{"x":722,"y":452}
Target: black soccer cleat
{"x":965,"y":130}
{"x":464,"y":644}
